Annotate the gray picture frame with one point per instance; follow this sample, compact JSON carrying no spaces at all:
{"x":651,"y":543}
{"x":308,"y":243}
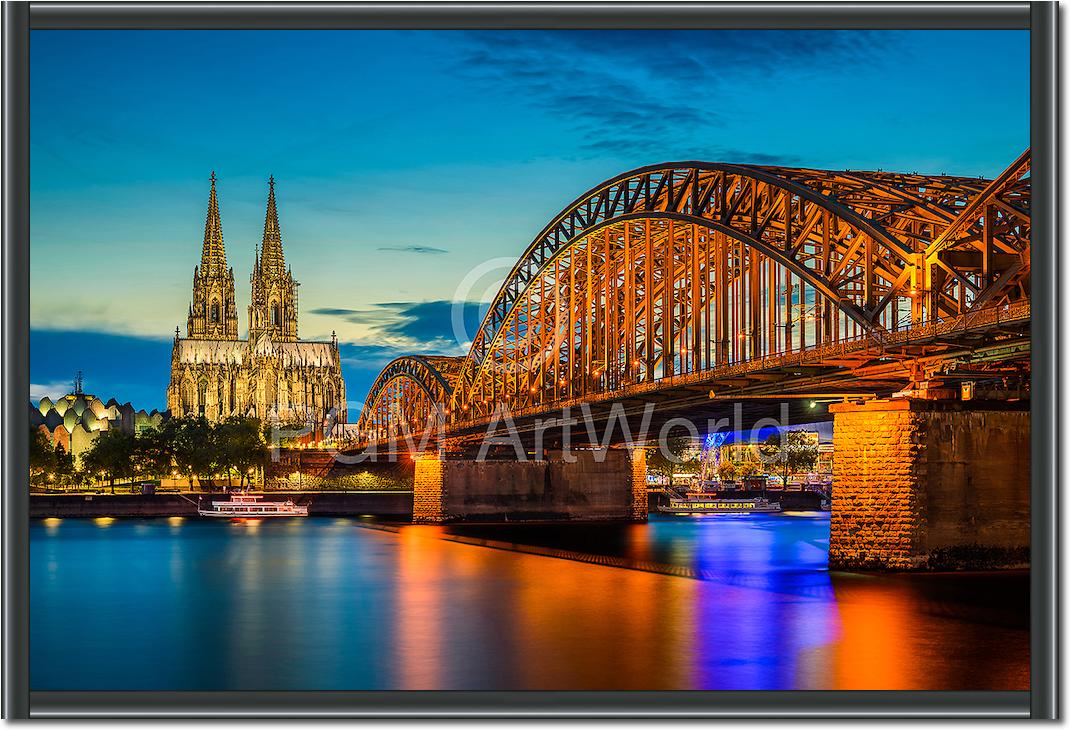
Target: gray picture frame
{"x":1041,"y":701}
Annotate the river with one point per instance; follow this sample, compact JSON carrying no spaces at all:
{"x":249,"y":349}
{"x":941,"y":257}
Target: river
{"x":722,"y":602}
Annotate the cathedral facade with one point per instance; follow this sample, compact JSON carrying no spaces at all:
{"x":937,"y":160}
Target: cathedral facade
{"x":272,"y":375}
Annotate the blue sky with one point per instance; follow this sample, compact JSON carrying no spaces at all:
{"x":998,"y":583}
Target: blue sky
{"x":414,"y":167}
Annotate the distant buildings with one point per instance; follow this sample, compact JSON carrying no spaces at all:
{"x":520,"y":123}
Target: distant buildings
{"x":74,"y":421}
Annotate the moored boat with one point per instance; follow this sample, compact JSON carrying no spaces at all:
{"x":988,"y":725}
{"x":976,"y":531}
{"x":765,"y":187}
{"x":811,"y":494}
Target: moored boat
{"x":707,"y":506}
{"x":250,"y":505}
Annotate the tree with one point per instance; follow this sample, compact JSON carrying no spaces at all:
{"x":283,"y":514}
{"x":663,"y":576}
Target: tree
{"x":240,"y":444}
{"x":726,"y":471}
{"x":153,"y":453}
{"x":42,"y":455}
{"x":671,"y":457}
{"x":112,"y":454}
{"x":746,"y":469}
{"x":788,"y":453}
{"x":285,"y":434}
{"x":64,"y":466}
{"x":193,"y":446}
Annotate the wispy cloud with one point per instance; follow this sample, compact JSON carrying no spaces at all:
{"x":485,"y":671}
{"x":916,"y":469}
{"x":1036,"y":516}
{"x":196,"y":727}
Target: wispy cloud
{"x":413,"y":249}
{"x":438,"y":327}
{"x":53,"y":390}
{"x":655,"y":92}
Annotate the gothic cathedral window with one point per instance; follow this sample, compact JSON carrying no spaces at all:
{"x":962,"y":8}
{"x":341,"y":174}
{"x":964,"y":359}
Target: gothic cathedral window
{"x":202,"y":388}
{"x":215,"y":311}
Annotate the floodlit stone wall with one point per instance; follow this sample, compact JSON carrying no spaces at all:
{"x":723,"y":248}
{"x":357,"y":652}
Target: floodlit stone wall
{"x":640,"y":500}
{"x":327,"y":470}
{"x":919,"y":484}
{"x":593,"y":486}
{"x":429,"y":490}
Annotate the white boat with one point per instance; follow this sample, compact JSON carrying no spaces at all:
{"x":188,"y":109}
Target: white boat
{"x":250,"y":505}
{"x":701,"y":506}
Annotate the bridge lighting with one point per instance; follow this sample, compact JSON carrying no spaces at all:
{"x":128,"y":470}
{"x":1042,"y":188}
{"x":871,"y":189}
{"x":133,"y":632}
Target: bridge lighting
{"x":813,"y":404}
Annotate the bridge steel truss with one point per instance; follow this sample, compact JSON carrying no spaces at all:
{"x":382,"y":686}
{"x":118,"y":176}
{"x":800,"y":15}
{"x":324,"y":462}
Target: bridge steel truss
{"x":409,"y":394}
{"x":683,"y":268}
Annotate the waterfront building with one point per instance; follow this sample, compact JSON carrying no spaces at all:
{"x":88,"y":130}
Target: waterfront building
{"x":74,"y":421}
{"x":271,"y":375}
{"x":748,"y":453}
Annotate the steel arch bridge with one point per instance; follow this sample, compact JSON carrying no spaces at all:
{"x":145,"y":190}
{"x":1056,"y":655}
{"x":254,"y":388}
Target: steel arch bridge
{"x":691,"y":267}
{"x":409,"y":391}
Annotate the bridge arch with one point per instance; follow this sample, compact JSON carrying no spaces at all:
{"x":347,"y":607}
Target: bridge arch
{"x":407,"y":392}
{"x":804,"y":256}
{"x":684,"y":267}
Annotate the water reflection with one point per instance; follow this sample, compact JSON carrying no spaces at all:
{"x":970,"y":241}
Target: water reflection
{"x":421,"y":603}
{"x":727,"y":603}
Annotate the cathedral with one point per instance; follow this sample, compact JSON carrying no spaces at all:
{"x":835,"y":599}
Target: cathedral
{"x":272,"y":375}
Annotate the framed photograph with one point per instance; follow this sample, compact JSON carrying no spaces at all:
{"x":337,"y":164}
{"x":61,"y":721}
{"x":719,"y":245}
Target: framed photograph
{"x":529,"y":360}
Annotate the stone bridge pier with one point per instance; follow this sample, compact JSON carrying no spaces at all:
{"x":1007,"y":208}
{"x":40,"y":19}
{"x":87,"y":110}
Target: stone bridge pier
{"x":930,"y":484}
{"x":607,"y":485}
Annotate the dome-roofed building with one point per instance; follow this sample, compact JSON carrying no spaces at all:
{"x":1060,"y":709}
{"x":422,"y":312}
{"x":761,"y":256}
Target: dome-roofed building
{"x":74,"y":421}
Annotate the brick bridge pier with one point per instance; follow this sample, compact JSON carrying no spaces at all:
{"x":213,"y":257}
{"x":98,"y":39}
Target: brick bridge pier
{"x":930,"y":484}
{"x":607,"y":485}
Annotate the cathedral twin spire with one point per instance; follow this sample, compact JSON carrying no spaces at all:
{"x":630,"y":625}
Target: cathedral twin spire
{"x":271,"y":258}
{"x":213,"y":255}
{"x":213,"y":314}
{"x":273,"y":305}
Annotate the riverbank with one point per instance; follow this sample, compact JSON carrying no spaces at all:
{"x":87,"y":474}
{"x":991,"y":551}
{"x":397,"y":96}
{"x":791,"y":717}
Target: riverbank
{"x":789,"y":500}
{"x":396,"y":504}
{"x":380,"y":503}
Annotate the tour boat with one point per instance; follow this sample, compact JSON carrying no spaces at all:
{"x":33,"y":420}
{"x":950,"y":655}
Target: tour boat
{"x":700,"y":506}
{"x":249,"y":505}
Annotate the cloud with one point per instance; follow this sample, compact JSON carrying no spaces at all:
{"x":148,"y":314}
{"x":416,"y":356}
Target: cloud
{"x":655,"y":93}
{"x":757,"y":158}
{"x":370,"y":358}
{"x":53,"y":390}
{"x":436,"y":327}
{"x":413,"y":249}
